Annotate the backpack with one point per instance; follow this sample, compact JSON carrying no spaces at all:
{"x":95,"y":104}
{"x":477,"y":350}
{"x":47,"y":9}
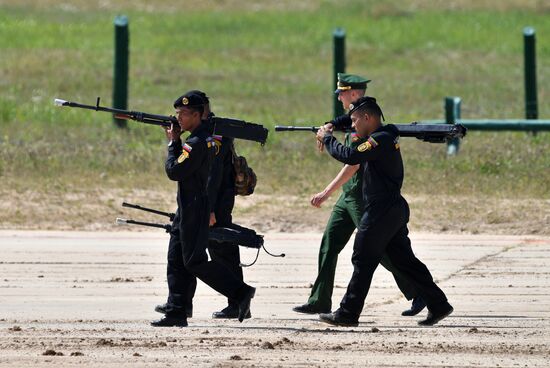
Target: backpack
{"x":245,"y":178}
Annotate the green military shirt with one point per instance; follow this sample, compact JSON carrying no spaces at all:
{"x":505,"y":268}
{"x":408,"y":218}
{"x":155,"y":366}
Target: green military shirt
{"x":352,"y":188}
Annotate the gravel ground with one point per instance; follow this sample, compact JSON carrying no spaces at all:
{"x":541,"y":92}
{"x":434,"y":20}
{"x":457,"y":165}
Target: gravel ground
{"x":86,"y":299}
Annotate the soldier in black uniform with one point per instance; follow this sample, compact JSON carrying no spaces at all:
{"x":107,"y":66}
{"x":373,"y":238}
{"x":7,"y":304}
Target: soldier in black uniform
{"x":346,"y":214}
{"x":189,"y":164}
{"x":343,"y":122}
{"x":221,"y":195}
{"x":383,"y":226}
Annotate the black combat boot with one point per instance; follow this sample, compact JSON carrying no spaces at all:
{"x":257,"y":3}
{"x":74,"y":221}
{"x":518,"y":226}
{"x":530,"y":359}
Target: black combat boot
{"x":171,"y":320}
{"x":339,"y":318}
{"x":417,"y":306}
{"x":229,"y":312}
{"x":436,"y":315}
{"x":169,"y":308}
{"x":310,"y":309}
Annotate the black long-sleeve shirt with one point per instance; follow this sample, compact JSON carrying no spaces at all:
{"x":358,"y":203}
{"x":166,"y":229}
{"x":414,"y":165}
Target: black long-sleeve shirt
{"x":189,"y":164}
{"x":381,"y":162}
{"x":221,"y":180}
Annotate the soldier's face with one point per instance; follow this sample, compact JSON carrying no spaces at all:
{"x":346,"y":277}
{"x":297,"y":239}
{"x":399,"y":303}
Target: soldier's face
{"x":350,"y":95}
{"x":363,"y":123}
{"x":358,"y":122}
{"x":187,"y":118}
{"x":346,"y":97}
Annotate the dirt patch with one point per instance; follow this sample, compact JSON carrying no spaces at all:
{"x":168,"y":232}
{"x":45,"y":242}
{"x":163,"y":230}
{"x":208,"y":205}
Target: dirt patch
{"x":97,"y":210}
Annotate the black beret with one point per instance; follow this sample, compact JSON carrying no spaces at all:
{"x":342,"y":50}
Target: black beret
{"x":202,"y":94}
{"x":366,"y":101}
{"x":191,"y":99}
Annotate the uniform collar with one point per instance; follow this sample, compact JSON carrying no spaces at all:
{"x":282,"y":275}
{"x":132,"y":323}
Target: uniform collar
{"x":381,"y":128}
{"x":202,"y":126}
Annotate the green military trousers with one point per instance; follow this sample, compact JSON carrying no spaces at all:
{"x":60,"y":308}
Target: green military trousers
{"x":343,"y":221}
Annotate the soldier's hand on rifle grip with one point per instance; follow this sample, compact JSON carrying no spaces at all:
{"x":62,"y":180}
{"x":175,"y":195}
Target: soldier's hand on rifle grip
{"x":212,"y":219}
{"x":173,"y":133}
{"x":323,"y":130}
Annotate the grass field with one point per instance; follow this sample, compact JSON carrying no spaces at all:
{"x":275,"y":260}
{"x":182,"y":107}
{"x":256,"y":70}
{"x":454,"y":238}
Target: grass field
{"x":267,"y":62}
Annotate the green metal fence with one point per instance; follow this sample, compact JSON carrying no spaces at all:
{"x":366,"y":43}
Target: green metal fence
{"x":453,"y":104}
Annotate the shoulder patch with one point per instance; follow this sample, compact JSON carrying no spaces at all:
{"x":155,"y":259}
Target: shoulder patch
{"x":364,"y":146}
{"x":185,"y":153}
{"x":214,"y":142}
{"x":217,"y":142}
{"x":369,"y":144}
{"x":184,"y":156}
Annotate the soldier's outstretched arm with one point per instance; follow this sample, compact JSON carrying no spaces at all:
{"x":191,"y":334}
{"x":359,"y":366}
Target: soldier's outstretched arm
{"x":340,"y":179}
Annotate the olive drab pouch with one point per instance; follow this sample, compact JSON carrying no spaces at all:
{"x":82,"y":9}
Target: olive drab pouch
{"x":245,"y":178}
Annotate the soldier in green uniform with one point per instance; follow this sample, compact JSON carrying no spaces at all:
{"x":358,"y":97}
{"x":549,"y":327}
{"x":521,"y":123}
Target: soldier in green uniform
{"x":346,"y":214}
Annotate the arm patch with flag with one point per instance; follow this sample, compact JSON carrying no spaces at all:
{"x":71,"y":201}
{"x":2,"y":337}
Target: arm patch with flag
{"x":368,"y":145}
{"x":185,"y":153}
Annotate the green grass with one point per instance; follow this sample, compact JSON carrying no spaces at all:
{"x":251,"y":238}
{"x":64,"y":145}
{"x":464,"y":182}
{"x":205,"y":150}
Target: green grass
{"x":269,"y":63}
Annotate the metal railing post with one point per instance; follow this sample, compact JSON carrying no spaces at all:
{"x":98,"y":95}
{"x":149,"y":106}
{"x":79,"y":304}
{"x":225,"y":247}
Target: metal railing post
{"x":120,"y":76}
{"x":530,"y":65}
{"x":452,"y":113}
{"x":339,"y":66}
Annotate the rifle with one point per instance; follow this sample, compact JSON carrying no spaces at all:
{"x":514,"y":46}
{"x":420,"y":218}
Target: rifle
{"x":122,"y":221}
{"x":232,"y":128}
{"x":433,"y":133}
{"x":234,"y":234}
{"x":167,"y":227}
{"x":157,"y":212}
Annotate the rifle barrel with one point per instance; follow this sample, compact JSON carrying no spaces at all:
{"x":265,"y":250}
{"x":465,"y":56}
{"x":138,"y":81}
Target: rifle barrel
{"x":120,"y":221}
{"x":157,"y":212}
{"x":155,"y":119}
{"x":283,"y":128}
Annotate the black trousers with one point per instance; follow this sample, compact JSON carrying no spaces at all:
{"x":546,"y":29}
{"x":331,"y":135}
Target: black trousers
{"x":388,"y":234}
{"x":226,"y":253}
{"x":187,"y":259}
